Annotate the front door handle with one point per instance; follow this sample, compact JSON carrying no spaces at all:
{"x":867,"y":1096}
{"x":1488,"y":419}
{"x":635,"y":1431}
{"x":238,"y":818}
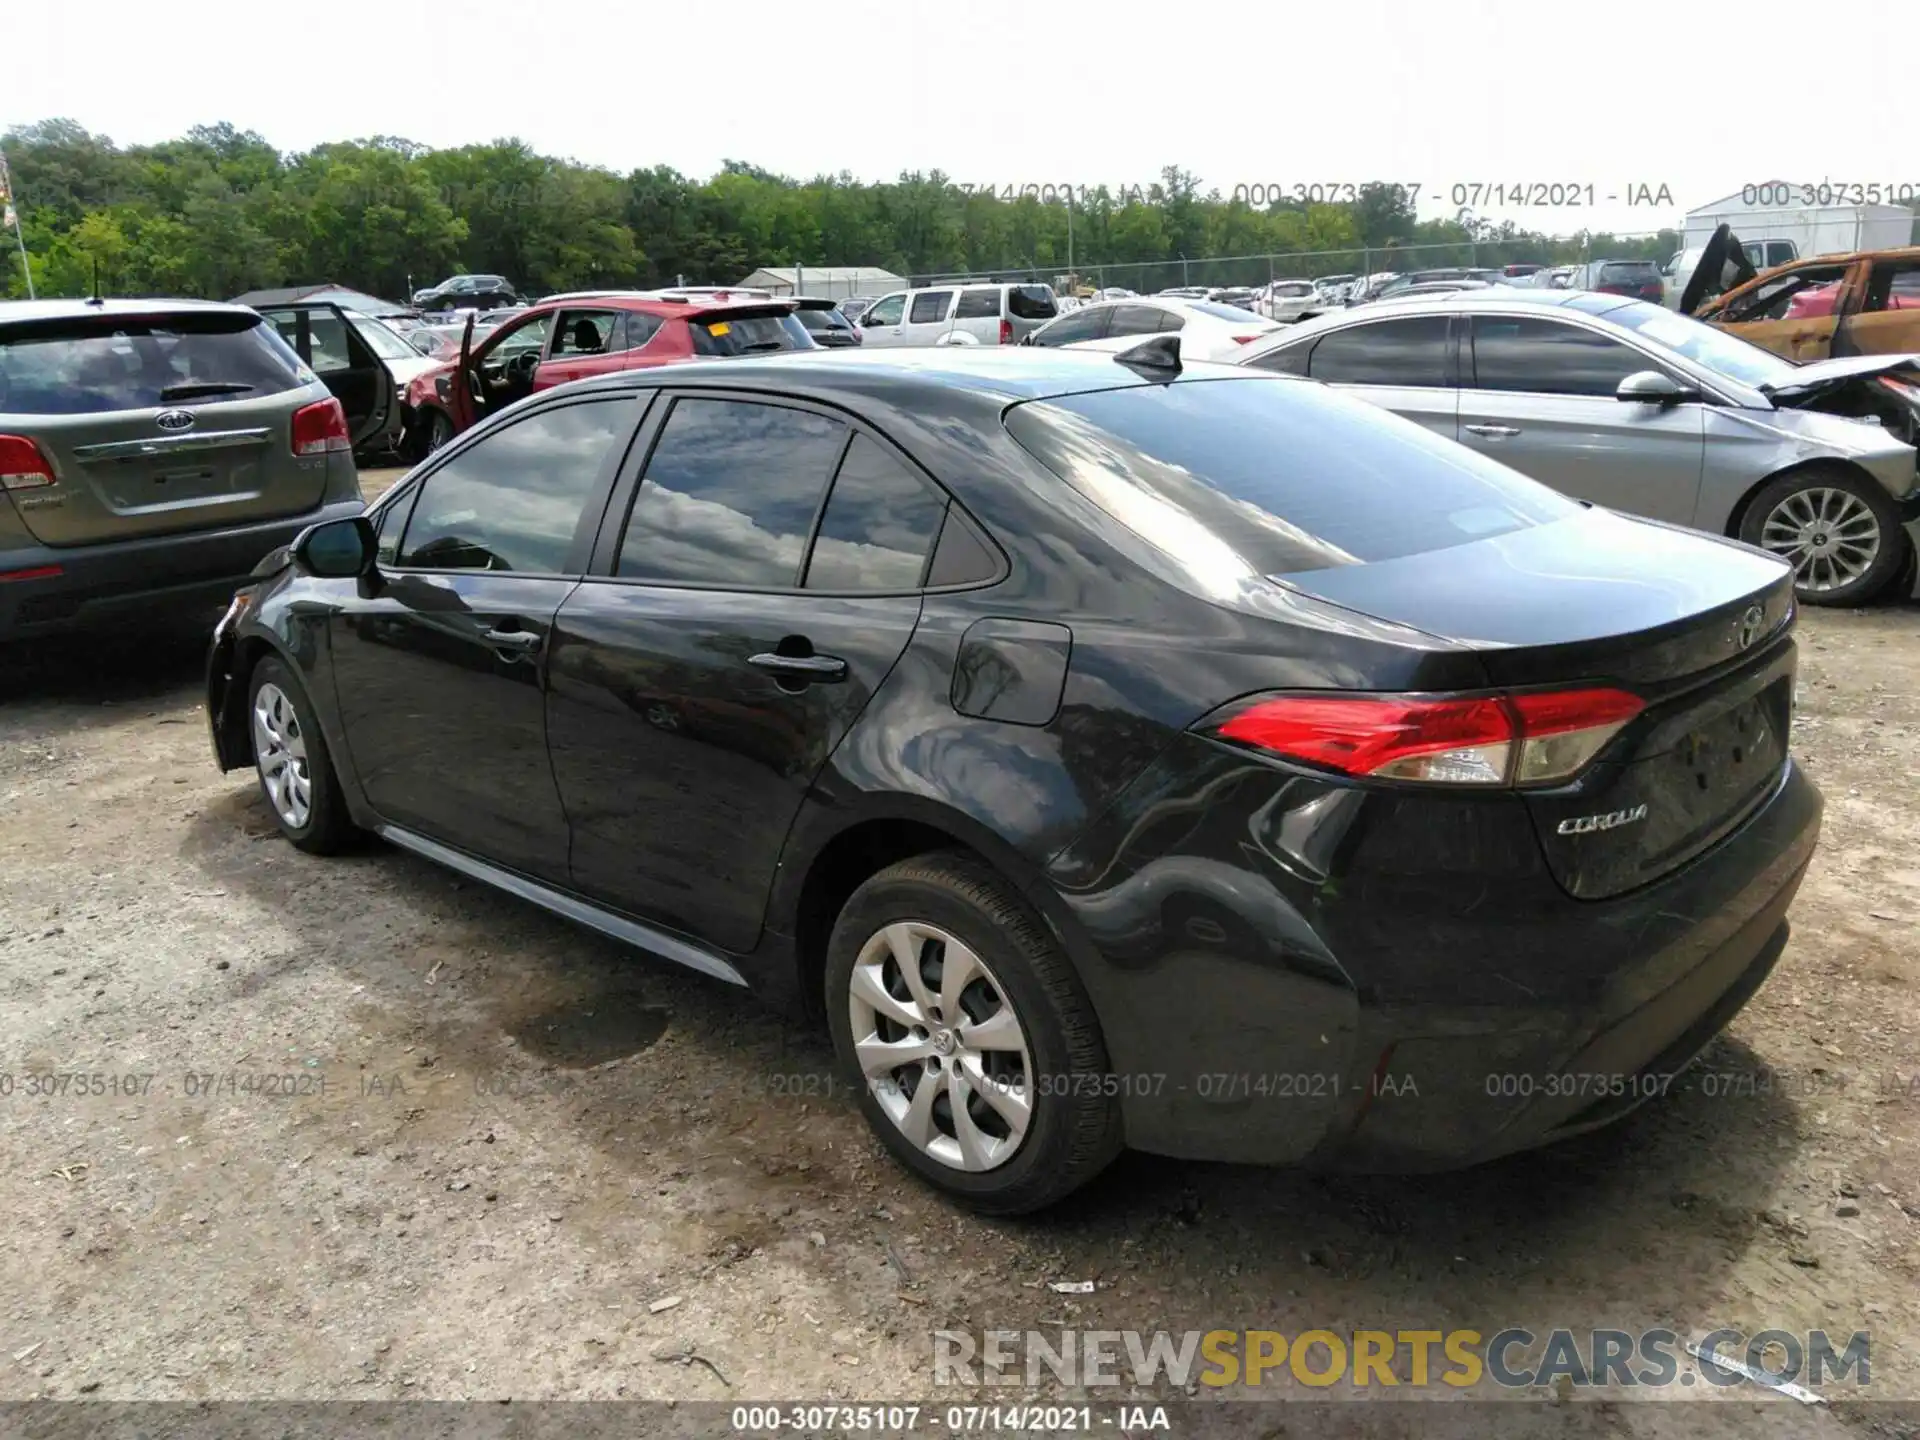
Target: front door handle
{"x":801,"y":667}
{"x":1493,"y":432}
{"x":521,"y":642}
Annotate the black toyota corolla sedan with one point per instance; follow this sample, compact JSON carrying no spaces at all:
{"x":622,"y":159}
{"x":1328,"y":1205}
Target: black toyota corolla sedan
{"x":1113,"y":754}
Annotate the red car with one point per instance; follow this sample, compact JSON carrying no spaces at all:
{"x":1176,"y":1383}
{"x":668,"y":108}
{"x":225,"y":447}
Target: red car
{"x":574,"y":336}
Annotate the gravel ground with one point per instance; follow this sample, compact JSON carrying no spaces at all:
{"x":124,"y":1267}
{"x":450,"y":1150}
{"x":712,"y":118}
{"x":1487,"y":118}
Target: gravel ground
{"x":503,"y":1145}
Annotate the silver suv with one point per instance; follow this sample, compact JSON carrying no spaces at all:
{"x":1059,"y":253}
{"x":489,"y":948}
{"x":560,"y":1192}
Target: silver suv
{"x":151,"y":453}
{"x":988,"y":313}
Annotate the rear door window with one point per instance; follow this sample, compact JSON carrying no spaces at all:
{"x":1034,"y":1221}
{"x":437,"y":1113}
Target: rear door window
{"x":1142,"y":320}
{"x":729,"y":495}
{"x":1090,"y":324}
{"x":94,"y":364}
{"x":1549,"y":357}
{"x":930,"y":307}
{"x":978,"y":305}
{"x":1409,"y":353}
{"x":583,"y":332}
{"x":1288,"y":477}
{"x":636,"y":329}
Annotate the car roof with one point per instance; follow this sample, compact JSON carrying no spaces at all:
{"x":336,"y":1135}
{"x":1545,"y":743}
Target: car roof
{"x":997,"y":375}
{"x":23,"y":311}
{"x":1494,"y":297}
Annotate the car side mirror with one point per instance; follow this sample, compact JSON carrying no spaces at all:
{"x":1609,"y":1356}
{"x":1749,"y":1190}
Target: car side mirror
{"x":1651,"y":387}
{"x":336,"y":550}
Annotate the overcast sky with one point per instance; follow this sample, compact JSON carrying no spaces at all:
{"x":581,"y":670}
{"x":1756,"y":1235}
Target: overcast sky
{"x":1473,"y":92}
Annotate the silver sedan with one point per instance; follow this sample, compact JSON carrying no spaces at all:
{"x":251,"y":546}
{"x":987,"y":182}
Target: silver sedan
{"x":1627,"y":405}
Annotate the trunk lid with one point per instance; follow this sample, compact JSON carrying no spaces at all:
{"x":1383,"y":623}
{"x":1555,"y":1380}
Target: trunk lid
{"x":156,"y":424}
{"x":1700,"y":629}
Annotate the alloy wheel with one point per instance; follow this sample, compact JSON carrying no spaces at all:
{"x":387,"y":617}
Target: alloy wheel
{"x":280,"y":749}
{"x":1830,"y":537}
{"x":941,"y":1046}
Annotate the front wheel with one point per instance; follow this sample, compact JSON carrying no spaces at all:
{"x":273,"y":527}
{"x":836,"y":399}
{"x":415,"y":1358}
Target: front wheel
{"x":968,"y":1037}
{"x":1840,"y":532}
{"x":290,"y":757}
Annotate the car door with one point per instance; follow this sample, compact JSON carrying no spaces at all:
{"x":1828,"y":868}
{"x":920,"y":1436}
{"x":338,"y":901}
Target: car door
{"x":928,"y":313}
{"x":1793,"y":314}
{"x":440,"y":666}
{"x":1538,"y":393}
{"x":1886,"y":318}
{"x":582,"y":345}
{"x":345,"y":363}
{"x":704,"y":672}
{"x":1403,"y":365}
{"x":977,"y":312}
{"x":885,"y":320}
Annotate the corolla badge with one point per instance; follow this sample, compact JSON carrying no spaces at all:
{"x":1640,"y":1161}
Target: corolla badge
{"x":1612,"y":820}
{"x":174,"y":420}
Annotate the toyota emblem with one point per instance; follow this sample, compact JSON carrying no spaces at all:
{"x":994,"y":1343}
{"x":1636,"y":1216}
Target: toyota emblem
{"x":174,"y":420}
{"x":1750,"y":625}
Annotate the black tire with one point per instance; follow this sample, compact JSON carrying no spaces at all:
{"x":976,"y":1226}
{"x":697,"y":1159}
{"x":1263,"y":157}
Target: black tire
{"x":1074,"y":1129}
{"x":327,"y":827}
{"x":1889,"y":559}
{"x":436,"y":432}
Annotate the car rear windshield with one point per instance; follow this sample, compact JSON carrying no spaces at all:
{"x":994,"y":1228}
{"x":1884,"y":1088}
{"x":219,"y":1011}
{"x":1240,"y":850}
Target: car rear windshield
{"x":1289,"y":475}
{"x":1031,"y":302}
{"x":1617,"y":270}
{"x":96,"y":363}
{"x":748,"y":335}
{"x":819,"y":321}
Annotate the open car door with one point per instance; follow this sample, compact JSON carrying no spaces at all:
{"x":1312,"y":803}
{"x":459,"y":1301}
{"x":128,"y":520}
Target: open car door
{"x":466,"y":383}
{"x":345,"y":363}
{"x":1723,"y":265}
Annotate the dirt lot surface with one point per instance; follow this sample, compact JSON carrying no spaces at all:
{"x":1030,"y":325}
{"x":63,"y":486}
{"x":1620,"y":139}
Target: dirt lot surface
{"x":502,"y":1144}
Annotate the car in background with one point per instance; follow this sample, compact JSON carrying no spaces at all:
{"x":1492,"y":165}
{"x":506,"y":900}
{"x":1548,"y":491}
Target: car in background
{"x":1185,"y":292}
{"x":1112,"y":292}
{"x":344,"y":347}
{"x":1237,"y":296}
{"x":473,"y":292}
{"x":1439,"y":287}
{"x":1620,"y":402}
{"x":1034,"y":718}
{"x":1399,"y":283}
{"x":1290,"y":300}
{"x":1522,"y":270}
{"x":854,"y":306}
{"x":1636,"y":279}
{"x":1831,"y":306}
{"x":1334,"y":289}
{"x":827,"y":323}
{"x":1207,"y":331}
{"x":151,"y":453}
{"x":555,"y":342}
{"x":994,"y":312}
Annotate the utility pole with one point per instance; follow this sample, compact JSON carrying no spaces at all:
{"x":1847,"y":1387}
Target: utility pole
{"x":11,"y":216}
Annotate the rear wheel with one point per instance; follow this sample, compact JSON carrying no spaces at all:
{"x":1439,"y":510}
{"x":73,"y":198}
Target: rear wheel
{"x":1840,"y":532}
{"x":290,"y":757}
{"x":973,"y":1048}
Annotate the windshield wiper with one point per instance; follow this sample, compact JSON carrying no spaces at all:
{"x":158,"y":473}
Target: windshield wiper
{"x":192,"y":389}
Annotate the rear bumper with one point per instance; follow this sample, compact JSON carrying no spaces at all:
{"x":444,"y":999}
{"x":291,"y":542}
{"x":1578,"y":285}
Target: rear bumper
{"x":130,"y":581}
{"x":1322,"y":975}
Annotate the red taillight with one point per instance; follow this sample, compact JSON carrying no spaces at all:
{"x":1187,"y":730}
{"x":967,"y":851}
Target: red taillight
{"x":1245,"y":339}
{"x":1528,"y":739}
{"x":38,"y":572}
{"x":320,"y":427}
{"x":1006,"y":331}
{"x":22,"y":465}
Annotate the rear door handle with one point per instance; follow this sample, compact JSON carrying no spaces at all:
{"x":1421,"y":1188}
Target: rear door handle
{"x":1493,"y":432}
{"x":801,"y":667}
{"x":522,"y":642}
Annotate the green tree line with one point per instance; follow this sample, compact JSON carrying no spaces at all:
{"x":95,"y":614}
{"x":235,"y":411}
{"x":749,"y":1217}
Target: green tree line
{"x":220,"y":211}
